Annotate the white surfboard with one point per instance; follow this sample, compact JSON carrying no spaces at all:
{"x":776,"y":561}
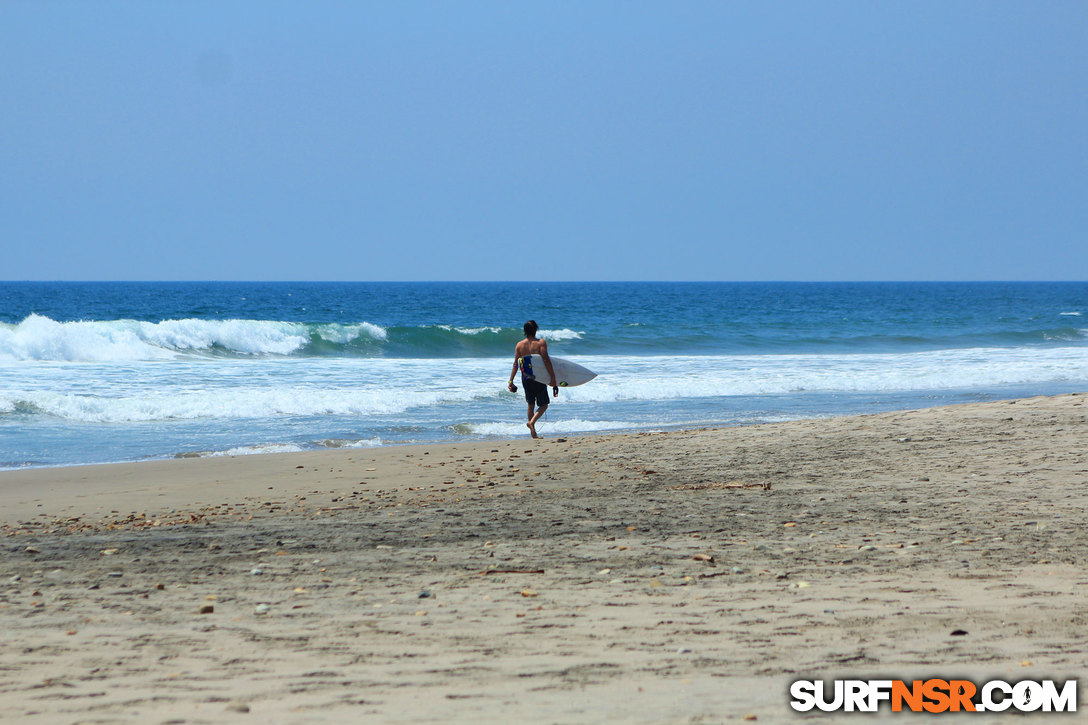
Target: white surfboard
{"x":569,"y":373}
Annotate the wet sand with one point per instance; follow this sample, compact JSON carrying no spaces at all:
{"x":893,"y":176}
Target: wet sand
{"x":679,"y":577}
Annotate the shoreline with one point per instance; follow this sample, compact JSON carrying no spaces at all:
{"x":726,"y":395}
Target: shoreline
{"x":642,"y":577}
{"x":20,"y":490}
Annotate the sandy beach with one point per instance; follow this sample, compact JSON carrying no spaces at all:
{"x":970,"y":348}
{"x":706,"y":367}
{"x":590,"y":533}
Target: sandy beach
{"x":675,"y":577}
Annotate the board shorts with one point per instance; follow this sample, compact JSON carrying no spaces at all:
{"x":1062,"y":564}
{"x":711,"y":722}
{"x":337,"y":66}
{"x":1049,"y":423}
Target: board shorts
{"x":535,"y":392}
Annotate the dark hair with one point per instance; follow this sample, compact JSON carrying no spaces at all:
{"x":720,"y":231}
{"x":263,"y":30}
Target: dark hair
{"x":530,"y":328}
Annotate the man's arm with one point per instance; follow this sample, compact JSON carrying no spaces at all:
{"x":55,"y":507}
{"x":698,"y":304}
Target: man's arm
{"x":510,"y":385}
{"x":548,"y":364}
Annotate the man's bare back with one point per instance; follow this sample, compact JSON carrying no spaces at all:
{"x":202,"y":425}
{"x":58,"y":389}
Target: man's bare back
{"x":536,"y":393}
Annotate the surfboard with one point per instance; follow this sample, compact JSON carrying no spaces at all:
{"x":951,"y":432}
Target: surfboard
{"x":569,"y":373}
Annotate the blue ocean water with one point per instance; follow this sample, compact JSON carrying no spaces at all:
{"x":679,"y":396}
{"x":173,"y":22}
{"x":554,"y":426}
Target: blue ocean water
{"x":98,"y":372}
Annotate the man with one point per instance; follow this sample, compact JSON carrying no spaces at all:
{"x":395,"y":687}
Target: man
{"x":536,"y":393}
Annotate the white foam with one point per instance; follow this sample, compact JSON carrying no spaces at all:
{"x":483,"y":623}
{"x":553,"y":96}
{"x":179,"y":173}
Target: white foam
{"x":343,"y":334}
{"x":243,"y":402}
{"x":267,"y":448}
{"x":475,"y":330}
{"x":563,"y":334}
{"x":275,"y":388}
{"x":255,"y":450}
{"x":40,"y":338}
{"x":341,"y":443}
{"x":1070,"y":314}
{"x":544,"y":426}
{"x":667,"y":378}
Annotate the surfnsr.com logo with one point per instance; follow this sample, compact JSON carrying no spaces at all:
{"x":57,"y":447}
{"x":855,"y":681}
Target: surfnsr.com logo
{"x":934,"y":695}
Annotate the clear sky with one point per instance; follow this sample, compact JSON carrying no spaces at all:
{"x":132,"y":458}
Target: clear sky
{"x":546,"y":141}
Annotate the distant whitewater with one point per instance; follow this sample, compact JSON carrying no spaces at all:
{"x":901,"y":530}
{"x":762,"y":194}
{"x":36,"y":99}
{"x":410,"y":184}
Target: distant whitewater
{"x":109,"y":372}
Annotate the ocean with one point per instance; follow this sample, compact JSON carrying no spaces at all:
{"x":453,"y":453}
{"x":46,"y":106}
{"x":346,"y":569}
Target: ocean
{"x":108,"y":372}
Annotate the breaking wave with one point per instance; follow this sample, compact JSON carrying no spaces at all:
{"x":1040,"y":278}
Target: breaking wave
{"x":39,"y":338}
{"x":44,"y":339}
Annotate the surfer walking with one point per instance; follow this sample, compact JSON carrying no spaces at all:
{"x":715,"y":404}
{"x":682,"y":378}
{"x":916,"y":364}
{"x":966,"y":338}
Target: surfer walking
{"x":536,"y":393}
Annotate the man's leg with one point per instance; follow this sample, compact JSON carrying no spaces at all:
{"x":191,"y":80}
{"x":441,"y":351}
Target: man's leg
{"x":533,"y":418}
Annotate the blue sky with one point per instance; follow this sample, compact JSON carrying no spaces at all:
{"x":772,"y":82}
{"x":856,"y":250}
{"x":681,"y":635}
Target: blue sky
{"x":544,"y":141}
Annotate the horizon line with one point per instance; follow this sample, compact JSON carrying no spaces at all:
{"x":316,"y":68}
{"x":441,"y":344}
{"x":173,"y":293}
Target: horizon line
{"x":561,"y":281}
